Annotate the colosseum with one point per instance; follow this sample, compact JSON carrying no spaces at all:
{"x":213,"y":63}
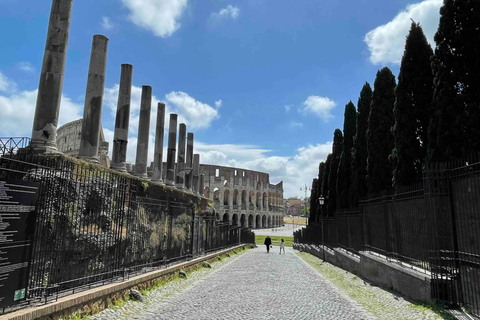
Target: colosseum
{"x":244,"y":197}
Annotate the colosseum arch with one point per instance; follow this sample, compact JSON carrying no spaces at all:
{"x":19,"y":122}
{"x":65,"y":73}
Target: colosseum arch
{"x":244,"y":200}
{"x":243,"y":222}
{"x":225,"y":218}
{"x":251,"y":221}
{"x":269,"y":221}
{"x":235,"y":197}
{"x":226,"y":197}
{"x":216,"y":195}
{"x":235,"y":219}
{"x":264,"y":221}
{"x":265,"y":201}
{"x":258,"y":221}
{"x":259,"y":200}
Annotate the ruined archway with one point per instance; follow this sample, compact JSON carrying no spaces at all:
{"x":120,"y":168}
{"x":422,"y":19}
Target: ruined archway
{"x":243,"y":221}
{"x":265,"y":201}
{"x":269,"y":221}
{"x":251,"y":221}
{"x":264,"y":221}
{"x":226,"y":196}
{"x":244,"y":200}
{"x":235,"y":197}
{"x":259,"y":201}
{"x":225,"y":217}
{"x":235,"y":220}
{"x":258,"y":221}
{"x":216,"y":195}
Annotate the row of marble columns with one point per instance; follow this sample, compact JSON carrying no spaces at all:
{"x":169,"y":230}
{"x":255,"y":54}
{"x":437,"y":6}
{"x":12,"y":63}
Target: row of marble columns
{"x":184,"y":175}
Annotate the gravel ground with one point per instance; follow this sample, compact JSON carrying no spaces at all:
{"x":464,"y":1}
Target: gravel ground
{"x":257,"y":285}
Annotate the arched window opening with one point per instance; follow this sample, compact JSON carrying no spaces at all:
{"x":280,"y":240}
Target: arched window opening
{"x":226,"y":195}
{"x":216,"y":194}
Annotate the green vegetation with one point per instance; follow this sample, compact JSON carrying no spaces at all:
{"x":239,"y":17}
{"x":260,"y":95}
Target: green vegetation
{"x":275,"y":240}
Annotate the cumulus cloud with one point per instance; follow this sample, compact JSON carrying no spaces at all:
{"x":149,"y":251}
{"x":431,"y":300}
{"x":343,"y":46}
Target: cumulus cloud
{"x":26,"y":66}
{"x":218,"y":103}
{"x":17,"y":110}
{"x":107,"y":23}
{"x":197,"y":114}
{"x":158,"y":16}
{"x":229,"y":12}
{"x":386,"y":43}
{"x":319,"y":106}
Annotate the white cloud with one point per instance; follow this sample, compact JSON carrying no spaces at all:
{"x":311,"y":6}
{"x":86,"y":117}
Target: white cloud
{"x":294,"y":171}
{"x":6,"y":84}
{"x":159,"y":16}
{"x":196,"y":114}
{"x":226,"y":13}
{"x":17,"y":110}
{"x":386,"y":43}
{"x":320,"y":106}
{"x":107,"y":23}
{"x":294,"y":124}
{"x":26,"y":66}
{"x":218,"y":103}
{"x":288,"y":108}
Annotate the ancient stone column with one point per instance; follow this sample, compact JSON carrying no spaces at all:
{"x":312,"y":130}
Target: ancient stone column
{"x":122,"y":120}
{"x":92,"y":112}
{"x":44,"y":131}
{"x":172,"y":141}
{"x":143,"y":133}
{"x":201,"y":186}
{"x":189,"y":162}
{"x":196,"y":172}
{"x":180,"y":176}
{"x":158,"y":156}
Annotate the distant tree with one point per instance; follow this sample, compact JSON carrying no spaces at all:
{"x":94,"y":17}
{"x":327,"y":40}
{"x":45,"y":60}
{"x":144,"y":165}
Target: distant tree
{"x":455,"y":128}
{"x":313,"y":201}
{"x":413,"y":108}
{"x":344,"y":178}
{"x":321,"y":176}
{"x":332,"y":177}
{"x":359,"y":152}
{"x":379,"y":135}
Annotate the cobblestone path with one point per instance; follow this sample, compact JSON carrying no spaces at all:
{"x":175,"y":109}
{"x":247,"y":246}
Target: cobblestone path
{"x":255,"y":285}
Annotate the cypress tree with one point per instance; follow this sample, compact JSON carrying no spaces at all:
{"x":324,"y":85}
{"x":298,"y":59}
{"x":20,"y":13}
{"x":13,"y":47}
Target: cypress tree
{"x":313,"y":200}
{"x":359,"y":152}
{"x":344,"y":178}
{"x":326,"y":178}
{"x":413,"y":108}
{"x":379,"y":135}
{"x":332,"y":177}
{"x":455,"y":128}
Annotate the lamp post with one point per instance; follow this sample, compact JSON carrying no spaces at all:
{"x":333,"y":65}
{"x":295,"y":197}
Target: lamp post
{"x":321,"y":201}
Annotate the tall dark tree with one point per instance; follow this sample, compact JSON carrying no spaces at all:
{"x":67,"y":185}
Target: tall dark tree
{"x":326,"y":179}
{"x":359,"y":152}
{"x":332,"y":177}
{"x":379,"y":135}
{"x":455,"y":129}
{"x":413,"y":108}
{"x":313,"y":201}
{"x":321,"y":176}
{"x":344,"y":178}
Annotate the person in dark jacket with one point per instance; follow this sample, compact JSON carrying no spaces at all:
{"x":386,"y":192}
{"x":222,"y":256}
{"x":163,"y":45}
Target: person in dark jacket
{"x":268,"y":242}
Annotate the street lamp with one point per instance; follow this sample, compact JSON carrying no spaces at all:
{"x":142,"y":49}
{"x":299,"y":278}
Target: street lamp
{"x":306,"y":213}
{"x":321,"y":201}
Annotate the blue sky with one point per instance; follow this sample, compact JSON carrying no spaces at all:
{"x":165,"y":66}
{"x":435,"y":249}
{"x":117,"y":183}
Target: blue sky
{"x":261,"y":83}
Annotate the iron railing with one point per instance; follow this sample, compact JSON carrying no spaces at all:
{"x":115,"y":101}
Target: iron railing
{"x":94,"y":225}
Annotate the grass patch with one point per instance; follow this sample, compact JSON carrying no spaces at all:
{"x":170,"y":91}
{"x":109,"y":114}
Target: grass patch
{"x":275,"y":240}
{"x":380,"y":303}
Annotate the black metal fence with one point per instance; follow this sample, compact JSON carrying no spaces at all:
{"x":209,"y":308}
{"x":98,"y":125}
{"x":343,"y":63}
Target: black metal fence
{"x":95,"y":226}
{"x":432,"y":226}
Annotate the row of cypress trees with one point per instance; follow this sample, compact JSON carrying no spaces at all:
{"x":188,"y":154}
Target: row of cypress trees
{"x":431,"y":114}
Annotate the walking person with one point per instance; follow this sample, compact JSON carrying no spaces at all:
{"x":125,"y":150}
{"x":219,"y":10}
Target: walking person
{"x":282,"y":246}
{"x":268,"y":242}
